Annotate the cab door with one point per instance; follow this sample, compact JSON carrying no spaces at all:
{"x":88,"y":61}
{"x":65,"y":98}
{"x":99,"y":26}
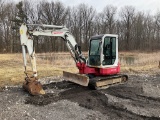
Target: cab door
{"x":95,"y":52}
{"x":109,"y":51}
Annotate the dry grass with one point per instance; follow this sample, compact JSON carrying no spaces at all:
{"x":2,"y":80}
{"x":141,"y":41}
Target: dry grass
{"x":53,"y":64}
{"x":11,"y":68}
{"x":142,"y":61}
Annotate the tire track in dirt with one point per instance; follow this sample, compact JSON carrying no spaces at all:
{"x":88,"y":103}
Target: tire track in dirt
{"x":134,"y":99}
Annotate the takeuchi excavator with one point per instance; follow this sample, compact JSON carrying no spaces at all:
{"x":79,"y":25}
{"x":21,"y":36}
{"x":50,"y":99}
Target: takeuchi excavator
{"x":99,"y":70}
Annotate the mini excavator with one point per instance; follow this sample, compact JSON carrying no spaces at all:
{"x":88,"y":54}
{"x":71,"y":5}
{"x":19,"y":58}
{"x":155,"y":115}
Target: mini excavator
{"x":99,"y":70}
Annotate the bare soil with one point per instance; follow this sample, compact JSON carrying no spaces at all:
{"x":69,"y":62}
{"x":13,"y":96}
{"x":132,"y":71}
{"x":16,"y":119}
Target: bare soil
{"x":137,"y":99}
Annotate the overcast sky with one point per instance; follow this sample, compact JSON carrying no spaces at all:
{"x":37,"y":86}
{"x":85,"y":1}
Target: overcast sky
{"x":143,"y":5}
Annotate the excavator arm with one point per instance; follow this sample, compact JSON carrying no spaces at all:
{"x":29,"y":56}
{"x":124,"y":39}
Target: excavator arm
{"x":51,"y":30}
{"x":26,"y":36}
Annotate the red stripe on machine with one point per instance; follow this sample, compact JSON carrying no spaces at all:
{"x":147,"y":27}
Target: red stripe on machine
{"x":57,"y":32}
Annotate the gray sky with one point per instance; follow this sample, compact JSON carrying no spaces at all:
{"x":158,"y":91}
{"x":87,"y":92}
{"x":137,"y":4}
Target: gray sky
{"x":151,"y":6}
{"x":142,"y":5}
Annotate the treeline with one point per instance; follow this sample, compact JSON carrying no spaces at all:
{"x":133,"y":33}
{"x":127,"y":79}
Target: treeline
{"x":137,"y":30}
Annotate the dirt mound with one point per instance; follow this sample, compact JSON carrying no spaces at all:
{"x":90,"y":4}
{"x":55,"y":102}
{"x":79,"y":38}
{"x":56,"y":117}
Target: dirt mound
{"x":97,"y":100}
{"x":90,"y":99}
{"x":136,"y":99}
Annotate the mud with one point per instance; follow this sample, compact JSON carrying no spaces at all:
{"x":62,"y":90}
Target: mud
{"x":138,"y":99}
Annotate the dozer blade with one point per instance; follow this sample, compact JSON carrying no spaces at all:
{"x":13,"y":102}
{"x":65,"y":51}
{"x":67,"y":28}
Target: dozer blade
{"x":76,"y":78}
{"x":33,"y":86}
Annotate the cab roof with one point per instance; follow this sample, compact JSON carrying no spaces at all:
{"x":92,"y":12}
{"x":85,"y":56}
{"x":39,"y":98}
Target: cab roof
{"x":103,"y":35}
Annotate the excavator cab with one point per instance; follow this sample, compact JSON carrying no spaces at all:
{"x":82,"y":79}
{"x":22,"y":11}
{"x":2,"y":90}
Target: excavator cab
{"x":103,"y":51}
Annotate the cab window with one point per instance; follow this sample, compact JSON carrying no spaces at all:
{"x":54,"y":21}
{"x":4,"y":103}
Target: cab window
{"x":109,"y":50}
{"x":94,"y":53}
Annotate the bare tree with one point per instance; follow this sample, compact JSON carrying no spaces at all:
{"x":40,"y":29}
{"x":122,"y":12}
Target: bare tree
{"x":136,"y":30}
{"x":127,"y":18}
{"x":157,"y":31}
{"x":108,"y":22}
{"x":87,"y":16}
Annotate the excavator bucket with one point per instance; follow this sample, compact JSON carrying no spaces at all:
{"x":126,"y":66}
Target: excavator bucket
{"x":33,"y":86}
{"x":76,"y":78}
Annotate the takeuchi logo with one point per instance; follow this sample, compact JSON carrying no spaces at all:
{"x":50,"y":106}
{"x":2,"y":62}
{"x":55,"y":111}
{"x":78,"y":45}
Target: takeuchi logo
{"x":57,"y":32}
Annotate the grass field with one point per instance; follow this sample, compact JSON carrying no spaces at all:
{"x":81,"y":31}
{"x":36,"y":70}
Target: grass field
{"x":143,"y":62}
{"x":52,"y":64}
